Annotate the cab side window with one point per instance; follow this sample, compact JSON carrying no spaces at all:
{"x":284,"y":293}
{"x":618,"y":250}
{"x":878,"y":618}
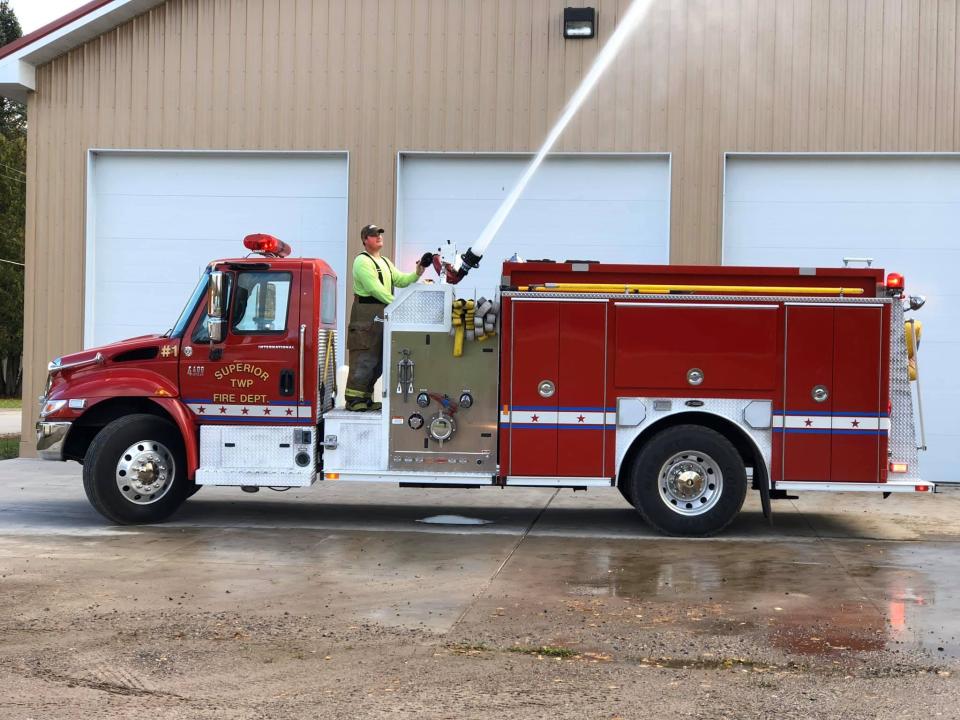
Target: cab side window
{"x":260,"y":303}
{"x":328,"y":300}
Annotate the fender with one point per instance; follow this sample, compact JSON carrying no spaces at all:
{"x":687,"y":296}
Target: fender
{"x":184,"y":420}
{"x":140,"y":383}
{"x":727,"y":411}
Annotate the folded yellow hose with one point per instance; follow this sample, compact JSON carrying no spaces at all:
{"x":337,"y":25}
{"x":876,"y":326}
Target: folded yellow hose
{"x":912,"y":331}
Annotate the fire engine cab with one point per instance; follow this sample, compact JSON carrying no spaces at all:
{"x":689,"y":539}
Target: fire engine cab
{"x":683,"y":386}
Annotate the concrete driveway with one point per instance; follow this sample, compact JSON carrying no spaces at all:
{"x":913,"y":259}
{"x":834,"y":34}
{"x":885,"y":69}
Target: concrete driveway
{"x":339,"y":601}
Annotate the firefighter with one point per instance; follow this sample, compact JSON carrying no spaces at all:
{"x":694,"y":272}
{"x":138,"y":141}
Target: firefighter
{"x":374,"y":278}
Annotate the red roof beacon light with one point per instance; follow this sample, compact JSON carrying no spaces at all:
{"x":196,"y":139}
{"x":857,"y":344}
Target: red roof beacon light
{"x":266,"y":245}
{"x":895,"y":282}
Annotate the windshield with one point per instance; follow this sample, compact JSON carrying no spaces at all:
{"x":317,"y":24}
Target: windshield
{"x":195,"y":297}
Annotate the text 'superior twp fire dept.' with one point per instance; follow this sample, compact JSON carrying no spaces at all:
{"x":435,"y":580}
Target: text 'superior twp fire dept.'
{"x":684,"y":387}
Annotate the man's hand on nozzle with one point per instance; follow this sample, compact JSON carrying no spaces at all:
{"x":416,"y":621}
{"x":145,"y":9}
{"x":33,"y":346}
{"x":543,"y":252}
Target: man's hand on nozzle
{"x":425,"y":262}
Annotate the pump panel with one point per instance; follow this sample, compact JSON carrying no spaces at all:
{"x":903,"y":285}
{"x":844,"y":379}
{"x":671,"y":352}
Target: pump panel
{"x":443,"y":409}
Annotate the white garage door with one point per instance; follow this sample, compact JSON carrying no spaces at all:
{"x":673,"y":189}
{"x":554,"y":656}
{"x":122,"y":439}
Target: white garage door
{"x":157,"y":219}
{"x":903,"y":211}
{"x":610,"y":208}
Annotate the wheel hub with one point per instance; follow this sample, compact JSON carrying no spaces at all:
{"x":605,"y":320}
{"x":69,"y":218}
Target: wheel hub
{"x":145,"y":472}
{"x":690,"y":483}
{"x":687,"y":481}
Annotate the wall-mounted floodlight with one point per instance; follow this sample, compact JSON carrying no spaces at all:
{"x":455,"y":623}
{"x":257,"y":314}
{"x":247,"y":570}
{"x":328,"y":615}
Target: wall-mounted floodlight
{"x":579,"y":22}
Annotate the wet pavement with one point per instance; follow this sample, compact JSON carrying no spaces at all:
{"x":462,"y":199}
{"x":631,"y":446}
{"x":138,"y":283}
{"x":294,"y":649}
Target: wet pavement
{"x":841,"y":586}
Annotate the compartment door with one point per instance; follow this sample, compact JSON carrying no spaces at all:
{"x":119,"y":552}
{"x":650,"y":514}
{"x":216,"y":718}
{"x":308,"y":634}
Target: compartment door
{"x":805,"y":420}
{"x":581,"y":389}
{"x":535,"y":368}
{"x":859,"y":421}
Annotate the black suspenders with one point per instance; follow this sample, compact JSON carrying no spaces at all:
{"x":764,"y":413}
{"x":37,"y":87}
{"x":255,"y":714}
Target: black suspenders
{"x":377,"y":266}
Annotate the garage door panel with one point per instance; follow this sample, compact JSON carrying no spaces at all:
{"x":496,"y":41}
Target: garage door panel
{"x":158,"y":315}
{"x":219,"y":217}
{"x":854,"y":225}
{"x":491,"y":178}
{"x":852,"y":179}
{"x":573,"y":208}
{"x":540,"y":221}
{"x":177,"y":212}
{"x":938,"y":359}
{"x":901,"y":211}
{"x":211,"y":175}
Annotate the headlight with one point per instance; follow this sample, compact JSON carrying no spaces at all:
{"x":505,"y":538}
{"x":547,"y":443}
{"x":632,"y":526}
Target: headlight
{"x":52,"y":406}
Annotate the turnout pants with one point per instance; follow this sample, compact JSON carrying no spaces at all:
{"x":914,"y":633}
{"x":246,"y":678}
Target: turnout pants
{"x":365,"y":348}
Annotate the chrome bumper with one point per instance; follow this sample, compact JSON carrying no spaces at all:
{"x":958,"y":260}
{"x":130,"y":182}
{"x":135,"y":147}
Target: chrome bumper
{"x":50,"y":439}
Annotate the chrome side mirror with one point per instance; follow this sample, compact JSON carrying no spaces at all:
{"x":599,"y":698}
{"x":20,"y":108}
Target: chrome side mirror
{"x":917,"y":301}
{"x":216,"y":296}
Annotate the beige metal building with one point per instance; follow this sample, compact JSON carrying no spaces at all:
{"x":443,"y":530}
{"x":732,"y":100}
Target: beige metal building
{"x":736,"y":131}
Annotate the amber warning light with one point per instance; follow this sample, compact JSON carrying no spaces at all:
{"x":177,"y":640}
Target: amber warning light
{"x":266,"y":245}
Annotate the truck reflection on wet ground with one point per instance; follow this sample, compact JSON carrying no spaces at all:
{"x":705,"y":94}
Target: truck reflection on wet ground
{"x":810,"y":598}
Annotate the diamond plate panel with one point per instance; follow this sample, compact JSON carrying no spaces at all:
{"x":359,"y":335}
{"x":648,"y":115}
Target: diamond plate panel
{"x":421,"y":307}
{"x":359,"y":441}
{"x":273,"y":478}
{"x":231,"y":455}
{"x":902,"y":440}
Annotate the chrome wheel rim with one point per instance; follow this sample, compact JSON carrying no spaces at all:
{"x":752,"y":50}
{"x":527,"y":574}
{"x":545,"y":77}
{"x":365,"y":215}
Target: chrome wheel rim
{"x":145,"y":472}
{"x":690,"y":483}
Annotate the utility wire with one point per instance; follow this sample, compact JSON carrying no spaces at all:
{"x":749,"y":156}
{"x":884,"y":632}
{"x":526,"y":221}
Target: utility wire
{"x":13,"y":262}
{"x":13,"y":178}
{"x":10,"y":167}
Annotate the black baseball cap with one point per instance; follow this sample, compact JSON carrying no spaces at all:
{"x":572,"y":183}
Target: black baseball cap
{"x":368,"y":230}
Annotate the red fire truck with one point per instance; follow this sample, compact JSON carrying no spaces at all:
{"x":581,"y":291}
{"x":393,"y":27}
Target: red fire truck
{"x":683,"y":386}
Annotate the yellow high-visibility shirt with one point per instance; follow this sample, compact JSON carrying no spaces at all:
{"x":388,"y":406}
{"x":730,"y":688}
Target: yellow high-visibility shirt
{"x":367,"y":281}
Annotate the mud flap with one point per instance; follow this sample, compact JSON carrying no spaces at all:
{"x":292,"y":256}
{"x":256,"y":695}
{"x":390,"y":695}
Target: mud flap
{"x":765,"y":500}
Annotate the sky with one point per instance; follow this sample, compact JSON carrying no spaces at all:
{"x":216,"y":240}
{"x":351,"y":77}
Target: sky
{"x":37,"y":13}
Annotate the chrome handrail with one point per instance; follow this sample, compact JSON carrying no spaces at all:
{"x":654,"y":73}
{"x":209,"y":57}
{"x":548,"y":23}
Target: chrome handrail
{"x":303,"y":334}
{"x":916,"y":369}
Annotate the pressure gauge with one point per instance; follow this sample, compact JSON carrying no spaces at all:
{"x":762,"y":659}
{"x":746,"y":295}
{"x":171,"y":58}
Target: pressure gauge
{"x":415,"y":421}
{"x":466,"y":400}
{"x":423,"y":399}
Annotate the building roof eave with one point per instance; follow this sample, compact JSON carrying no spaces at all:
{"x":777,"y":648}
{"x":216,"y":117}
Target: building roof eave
{"x":20,"y":59}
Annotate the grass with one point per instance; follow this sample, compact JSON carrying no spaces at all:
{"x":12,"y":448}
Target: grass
{"x":9,"y":447}
{"x":13,"y":403}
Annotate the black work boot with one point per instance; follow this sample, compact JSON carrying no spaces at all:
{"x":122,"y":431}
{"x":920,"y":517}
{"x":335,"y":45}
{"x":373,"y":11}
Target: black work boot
{"x":358,"y":404}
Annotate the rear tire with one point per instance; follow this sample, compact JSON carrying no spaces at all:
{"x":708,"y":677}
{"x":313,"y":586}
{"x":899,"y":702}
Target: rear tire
{"x":688,"y":480}
{"x":135,"y":470}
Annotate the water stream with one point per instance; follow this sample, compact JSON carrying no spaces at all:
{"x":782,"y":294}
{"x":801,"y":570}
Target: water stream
{"x":631,"y":19}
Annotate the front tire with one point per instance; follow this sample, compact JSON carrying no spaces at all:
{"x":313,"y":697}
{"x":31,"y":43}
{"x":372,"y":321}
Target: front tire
{"x":135,"y":470}
{"x":688,"y":480}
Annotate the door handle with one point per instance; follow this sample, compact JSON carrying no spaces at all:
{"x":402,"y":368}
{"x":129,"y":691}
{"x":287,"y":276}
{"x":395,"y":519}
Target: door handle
{"x":820,"y":393}
{"x":546,"y":388}
{"x":286,"y":382}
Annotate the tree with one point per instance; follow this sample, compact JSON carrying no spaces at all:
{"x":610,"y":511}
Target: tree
{"x":13,"y":185}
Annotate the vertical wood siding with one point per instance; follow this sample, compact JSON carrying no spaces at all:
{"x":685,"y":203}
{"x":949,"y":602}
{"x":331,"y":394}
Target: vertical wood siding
{"x":699,"y":78}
